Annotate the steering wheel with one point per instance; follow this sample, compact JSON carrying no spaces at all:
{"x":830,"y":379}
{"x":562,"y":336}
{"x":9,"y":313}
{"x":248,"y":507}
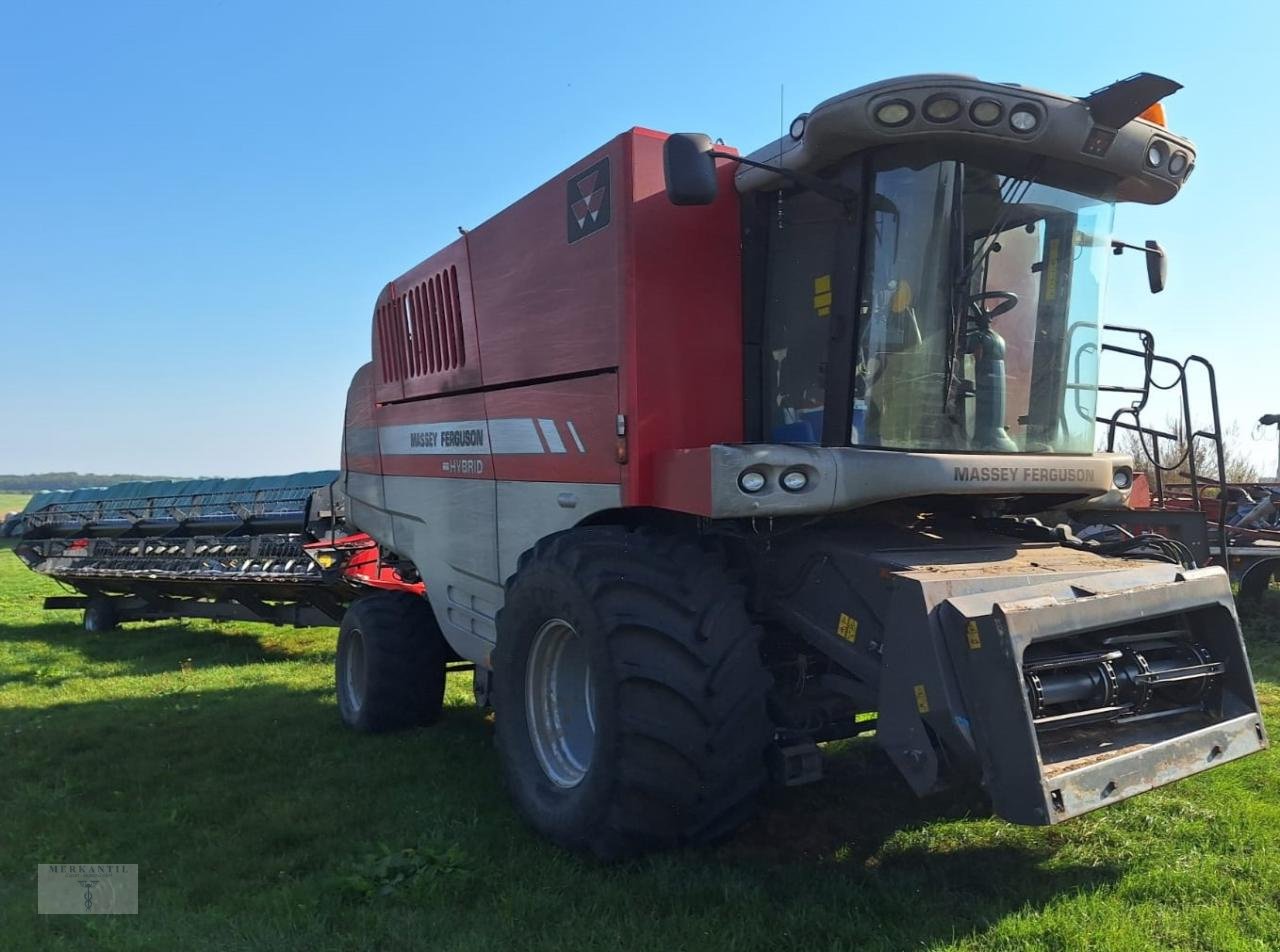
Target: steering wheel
{"x":1007,"y":302}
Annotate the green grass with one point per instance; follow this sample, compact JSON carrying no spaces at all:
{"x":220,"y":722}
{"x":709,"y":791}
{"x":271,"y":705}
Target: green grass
{"x":259,"y":823}
{"x":12,"y":502}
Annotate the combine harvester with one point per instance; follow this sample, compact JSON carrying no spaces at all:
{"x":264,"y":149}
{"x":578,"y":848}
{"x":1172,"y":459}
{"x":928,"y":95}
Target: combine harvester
{"x":705,"y":460}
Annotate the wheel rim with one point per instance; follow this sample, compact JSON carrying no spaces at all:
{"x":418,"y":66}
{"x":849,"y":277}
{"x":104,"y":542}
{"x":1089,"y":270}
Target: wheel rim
{"x":560,"y":703}
{"x":353,"y":677}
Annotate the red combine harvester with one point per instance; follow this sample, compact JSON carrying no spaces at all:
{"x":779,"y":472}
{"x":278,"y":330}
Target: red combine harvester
{"x":706,"y":459}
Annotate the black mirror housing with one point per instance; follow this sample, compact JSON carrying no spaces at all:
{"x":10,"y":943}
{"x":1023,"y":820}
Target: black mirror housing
{"x":1157,"y":267}
{"x":689,"y":169}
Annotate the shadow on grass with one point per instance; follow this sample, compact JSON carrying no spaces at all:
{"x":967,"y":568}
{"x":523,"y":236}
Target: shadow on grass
{"x":255,"y":803}
{"x":861,"y":802}
{"x":144,"y":649}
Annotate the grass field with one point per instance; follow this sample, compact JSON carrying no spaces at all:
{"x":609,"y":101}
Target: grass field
{"x":10,"y":502}
{"x":259,"y":823}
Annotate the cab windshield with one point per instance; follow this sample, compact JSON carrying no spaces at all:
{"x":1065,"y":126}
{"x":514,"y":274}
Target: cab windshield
{"x":978,"y":320}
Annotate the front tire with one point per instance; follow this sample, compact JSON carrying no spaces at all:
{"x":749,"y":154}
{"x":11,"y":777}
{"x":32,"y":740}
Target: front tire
{"x":629,"y":693}
{"x":390,"y":665}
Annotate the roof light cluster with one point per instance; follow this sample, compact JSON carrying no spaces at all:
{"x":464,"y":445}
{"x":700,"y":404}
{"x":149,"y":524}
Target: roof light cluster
{"x":1024,"y":118}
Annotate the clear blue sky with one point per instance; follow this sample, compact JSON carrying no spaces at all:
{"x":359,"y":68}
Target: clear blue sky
{"x":199,"y":202}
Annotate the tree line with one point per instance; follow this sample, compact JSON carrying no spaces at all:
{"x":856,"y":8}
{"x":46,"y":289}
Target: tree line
{"x":35,"y":482}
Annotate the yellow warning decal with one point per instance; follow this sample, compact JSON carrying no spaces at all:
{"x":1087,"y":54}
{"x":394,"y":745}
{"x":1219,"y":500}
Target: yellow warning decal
{"x":822,"y":294}
{"x":971,"y":632}
{"x":847,"y":628}
{"x":922,"y":700}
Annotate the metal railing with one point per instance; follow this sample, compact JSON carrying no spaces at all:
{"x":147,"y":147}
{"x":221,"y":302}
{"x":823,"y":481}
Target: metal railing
{"x":1130,"y":419}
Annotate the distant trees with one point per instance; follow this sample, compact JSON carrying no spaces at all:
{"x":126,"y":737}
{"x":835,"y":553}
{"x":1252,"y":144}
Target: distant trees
{"x":1240,"y":469}
{"x":35,"y":482}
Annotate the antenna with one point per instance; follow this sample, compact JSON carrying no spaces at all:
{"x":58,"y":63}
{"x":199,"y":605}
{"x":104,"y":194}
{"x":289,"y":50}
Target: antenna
{"x":782,"y":127}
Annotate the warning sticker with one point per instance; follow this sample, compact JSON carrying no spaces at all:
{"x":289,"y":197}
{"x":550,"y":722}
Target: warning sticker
{"x":847,"y":628}
{"x":922,"y":699}
{"x":971,"y":633}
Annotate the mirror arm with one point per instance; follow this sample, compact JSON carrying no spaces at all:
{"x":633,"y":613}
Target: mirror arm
{"x":837,"y":193}
{"x":1117,"y":247}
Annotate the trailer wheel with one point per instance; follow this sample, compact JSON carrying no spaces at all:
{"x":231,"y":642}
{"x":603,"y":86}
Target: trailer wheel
{"x":629,"y":693}
{"x":390,"y":665}
{"x":1255,"y":582}
{"x":100,"y":615}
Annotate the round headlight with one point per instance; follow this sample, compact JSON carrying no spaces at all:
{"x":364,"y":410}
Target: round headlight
{"x":751,"y":481}
{"x":941,"y":108}
{"x":1177,"y":163}
{"x":986,"y":112}
{"x":893,"y":113}
{"x":1024,"y":119}
{"x":1156,"y":154}
{"x":794,"y":480}
{"x":797,"y":126}
{"x":1122,"y":479}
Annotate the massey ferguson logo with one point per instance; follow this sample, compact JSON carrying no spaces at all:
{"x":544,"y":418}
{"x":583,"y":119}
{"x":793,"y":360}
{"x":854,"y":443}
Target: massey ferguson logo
{"x":589,"y":201}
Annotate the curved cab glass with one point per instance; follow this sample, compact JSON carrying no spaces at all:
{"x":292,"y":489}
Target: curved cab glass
{"x":980,"y":314}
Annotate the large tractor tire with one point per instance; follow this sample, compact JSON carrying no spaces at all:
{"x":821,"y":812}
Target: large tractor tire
{"x":390,"y":667}
{"x":629,"y":693}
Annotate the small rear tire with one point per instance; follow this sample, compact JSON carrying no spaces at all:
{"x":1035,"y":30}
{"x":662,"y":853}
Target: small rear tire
{"x":629,"y":693}
{"x":390,"y":664}
{"x":100,"y":615}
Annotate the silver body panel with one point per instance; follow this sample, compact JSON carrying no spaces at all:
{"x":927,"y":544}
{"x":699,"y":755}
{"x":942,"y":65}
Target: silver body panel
{"x":465,"y":536}
{"x":841,"y":478}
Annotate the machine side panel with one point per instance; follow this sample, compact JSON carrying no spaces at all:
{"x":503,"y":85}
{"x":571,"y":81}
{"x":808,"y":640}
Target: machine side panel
{"x":563,"y":431}
{"x":682,"y":377}
{"x":555,"y":458}
{"x":440,"y":499}
{"x":546,"y":274}
{"x":529,"y":511}
{"x":551,"y":447}
{"x":362,"y":459}
{"x":445,"y":525}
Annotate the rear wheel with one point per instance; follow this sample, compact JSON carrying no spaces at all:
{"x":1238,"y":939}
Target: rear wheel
{"x":390,"y":666}
{"x":629,"y":693}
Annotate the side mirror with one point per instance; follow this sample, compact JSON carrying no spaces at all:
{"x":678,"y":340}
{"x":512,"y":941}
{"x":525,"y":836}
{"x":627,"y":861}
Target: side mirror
{"x":1157,"y":267}
{"x":689,"y":169}
{"x":1157,"y":262}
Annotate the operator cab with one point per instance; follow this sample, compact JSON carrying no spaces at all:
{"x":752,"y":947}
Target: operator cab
{"x":977,"y":311}
{"x":925,"y":258}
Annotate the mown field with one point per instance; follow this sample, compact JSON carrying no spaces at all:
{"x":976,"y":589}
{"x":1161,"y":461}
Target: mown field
{"x":9,"y":502}
{"x":213,"y":757}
